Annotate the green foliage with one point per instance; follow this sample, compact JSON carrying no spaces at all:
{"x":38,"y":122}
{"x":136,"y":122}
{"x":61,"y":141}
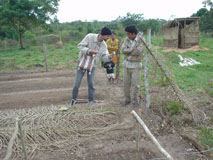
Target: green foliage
{"x":130,"y":19}
{"x":90,"y":29}
{"x":23,"y":15}
{"x":15,"y":59}
{"x":208,"y":3}
{"x":174,"y":108}
{"x":139,"y":21}
{"x":75,"y":30}
{"x":206,"y":17}
{"x":154,"y":24}
{"x":206,"y":136}
{"x":8,"y":33}
{"x":29,"y":35}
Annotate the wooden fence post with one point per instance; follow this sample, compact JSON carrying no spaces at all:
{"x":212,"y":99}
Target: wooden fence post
{"x":45,"y":56}
{"x":5,"y":44}
{"x":146,"y":69}
{"x":118,"y":61}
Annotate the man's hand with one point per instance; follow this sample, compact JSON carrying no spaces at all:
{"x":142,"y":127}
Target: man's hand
{"x":93,"y":52}
{"x":133,"y":49}
{"x":112,"y":55}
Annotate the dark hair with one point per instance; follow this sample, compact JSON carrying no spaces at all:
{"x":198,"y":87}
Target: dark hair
{"x":114,"y":33}
{"x":131,"y":29}
{"x":106,"y":31}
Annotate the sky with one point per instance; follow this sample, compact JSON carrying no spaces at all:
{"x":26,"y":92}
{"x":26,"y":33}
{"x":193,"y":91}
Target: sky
{"x":90,"y":10}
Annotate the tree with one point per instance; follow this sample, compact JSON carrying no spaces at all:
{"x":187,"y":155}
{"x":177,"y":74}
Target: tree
{"x":131,"y":19}
{"x":203,"y":14}
{"x":89,"y":27}
{"x":9,"y":33}
{"x":206,"y":17}
{"x":209,"y":17}
{"x":208,"y":3}
{"x":23,"y":15}
{"x":154,"y":24}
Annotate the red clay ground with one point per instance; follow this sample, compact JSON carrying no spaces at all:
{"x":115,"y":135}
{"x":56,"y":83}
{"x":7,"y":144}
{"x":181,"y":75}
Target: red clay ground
{"x":30,"y":90}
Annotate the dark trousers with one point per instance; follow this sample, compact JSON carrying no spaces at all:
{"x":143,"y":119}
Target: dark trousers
{"x":90,"y":81}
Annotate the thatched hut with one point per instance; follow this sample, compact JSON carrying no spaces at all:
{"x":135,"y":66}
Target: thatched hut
{"x":181,"y":32}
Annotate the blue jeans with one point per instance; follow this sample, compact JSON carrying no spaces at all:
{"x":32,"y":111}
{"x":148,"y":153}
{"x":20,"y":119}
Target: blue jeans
{"x":90,"y":81}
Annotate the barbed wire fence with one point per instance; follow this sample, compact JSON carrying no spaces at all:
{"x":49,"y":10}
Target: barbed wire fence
{"x":197,"y":115}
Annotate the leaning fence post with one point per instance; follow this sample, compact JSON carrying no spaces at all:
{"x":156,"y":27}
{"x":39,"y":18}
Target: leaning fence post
{"x":45,"y":56}
{"x":154,"y":140}
{"x":22,"y":140}
{"x":146,"y":69}
{"x":138,"y":131}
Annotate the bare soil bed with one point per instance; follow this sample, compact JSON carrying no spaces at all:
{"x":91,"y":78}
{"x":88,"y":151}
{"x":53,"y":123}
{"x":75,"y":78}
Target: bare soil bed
{"x":33,"y":90}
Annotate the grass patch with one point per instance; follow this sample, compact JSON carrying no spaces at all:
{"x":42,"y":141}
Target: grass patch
{"x":16,"y":59}
{"x":173,"y":108}
{"x":206,"y":137}
{"x":193,"y":79}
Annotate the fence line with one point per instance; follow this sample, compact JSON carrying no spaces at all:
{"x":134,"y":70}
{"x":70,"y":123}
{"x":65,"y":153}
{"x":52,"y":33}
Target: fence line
{"x":196,"y":116}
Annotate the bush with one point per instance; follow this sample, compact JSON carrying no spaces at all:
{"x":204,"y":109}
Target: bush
{"x":206,"y":136}
{"x":29,"y":35}
{"x":76,"y":35}
{"x":174,"y":108}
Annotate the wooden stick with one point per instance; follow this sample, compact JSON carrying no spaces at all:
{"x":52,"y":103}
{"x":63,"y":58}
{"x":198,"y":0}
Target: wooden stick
{"x":45,"y":56}
{"x":154,"y":140}
{"x":138,"y":131}
{"x":22,"y":140}
{"x":11,"y":142}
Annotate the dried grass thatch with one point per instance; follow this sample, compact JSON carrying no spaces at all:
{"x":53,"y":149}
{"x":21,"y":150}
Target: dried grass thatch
{"x":47,"y":128}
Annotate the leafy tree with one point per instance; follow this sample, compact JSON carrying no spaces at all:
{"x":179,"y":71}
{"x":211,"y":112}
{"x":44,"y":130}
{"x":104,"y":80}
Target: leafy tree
{"x":90,"y":28}
{"x":203,"y":14}
{"x":206,"y":17}
{"x":6,"y":32}
{"x":154,"y":24}
{"x":209,"y":16}
{"x":23,"y":15}
{"x":208,"y":3}
{"x":131,"y":19}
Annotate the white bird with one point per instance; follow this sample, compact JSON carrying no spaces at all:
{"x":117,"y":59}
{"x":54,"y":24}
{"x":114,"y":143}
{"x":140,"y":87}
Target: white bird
{"x":187,"y":61}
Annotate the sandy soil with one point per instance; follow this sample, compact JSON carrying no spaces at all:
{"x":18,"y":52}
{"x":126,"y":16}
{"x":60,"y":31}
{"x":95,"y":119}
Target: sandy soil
{"x":180,"y":50}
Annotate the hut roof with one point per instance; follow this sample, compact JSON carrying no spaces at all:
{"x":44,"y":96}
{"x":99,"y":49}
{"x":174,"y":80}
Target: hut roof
{"x":179,"y":21}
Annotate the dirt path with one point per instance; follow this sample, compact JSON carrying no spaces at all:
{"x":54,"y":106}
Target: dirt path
{"x":30,"y":90}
